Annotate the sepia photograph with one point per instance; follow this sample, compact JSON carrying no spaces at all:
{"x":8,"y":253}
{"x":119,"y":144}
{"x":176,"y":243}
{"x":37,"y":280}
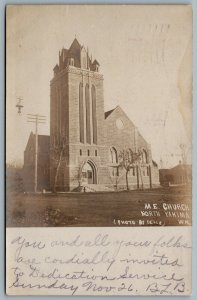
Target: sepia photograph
{"x":98,"y":149}
{"x":98,"y":119}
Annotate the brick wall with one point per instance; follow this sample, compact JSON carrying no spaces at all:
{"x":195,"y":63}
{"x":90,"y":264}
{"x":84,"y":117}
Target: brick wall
{"x":65,"y":123}
{"x":128,"y":137}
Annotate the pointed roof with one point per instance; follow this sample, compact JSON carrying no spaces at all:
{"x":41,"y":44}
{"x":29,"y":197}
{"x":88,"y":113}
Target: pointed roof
{"x":29,"y":141}
{"x":75,"y":44}
{"x":76,"y":51}
{"x":56,"y":67}
{"x":95,"y":62}
{"x":108,"y":113}
{"x":43,"y":142}
{"x":118,"y":108}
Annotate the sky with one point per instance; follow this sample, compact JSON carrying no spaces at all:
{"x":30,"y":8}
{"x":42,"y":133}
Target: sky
{"x":144,"y":54}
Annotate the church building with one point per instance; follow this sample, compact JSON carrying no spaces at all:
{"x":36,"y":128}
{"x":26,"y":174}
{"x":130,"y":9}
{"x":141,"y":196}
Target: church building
{"x":85,"y":141}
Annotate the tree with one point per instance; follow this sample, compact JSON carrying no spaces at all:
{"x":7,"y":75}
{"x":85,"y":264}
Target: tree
{"x":115,"y":179}
{"x":59,"y":157}
{"x":184,"y":155}
{"x":139,"y":166}
{"x":79,"y":174}
{"x":184,"y":151}
{"x":128,"y":160}
{"x":14,"y":178}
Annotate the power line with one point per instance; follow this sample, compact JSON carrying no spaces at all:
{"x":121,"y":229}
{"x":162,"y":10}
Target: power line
{"x":36,"y":119}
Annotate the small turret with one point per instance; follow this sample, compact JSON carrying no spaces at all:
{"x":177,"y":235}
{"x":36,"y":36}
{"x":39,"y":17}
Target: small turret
{"x":56,"y":70}
{"x":95,"y":66}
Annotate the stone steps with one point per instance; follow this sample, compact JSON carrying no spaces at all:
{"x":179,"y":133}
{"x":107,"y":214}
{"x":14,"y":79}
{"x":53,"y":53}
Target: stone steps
{"x":97,"y":188}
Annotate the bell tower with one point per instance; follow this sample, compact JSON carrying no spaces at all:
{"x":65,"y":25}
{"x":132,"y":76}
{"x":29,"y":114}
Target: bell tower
{"x":77,"y":117}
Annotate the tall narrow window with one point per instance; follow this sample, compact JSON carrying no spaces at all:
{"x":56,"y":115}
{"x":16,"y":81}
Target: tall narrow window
{"x":94,"y":121}
{"x":113,"y":155}
{"x":81,"y":113}
{"x":71,"y":61}
{"x":114,"y":161}
{"x":87,"y":101}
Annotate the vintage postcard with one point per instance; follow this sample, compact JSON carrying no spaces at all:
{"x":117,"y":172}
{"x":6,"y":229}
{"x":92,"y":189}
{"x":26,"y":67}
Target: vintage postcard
{"x":98,"y":149}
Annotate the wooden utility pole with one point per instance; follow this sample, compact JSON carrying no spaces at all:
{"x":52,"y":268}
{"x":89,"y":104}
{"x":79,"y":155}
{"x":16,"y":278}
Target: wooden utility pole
{"x":36,"y":119}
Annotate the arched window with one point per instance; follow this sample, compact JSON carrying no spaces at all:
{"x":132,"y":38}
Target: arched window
{"x":87,"y":101}
{"x":72,"y":61}
{"x":94,"y":120}
{"x":114,"y":160}
{"x":113,"y":155}
{"x":81,"y":113}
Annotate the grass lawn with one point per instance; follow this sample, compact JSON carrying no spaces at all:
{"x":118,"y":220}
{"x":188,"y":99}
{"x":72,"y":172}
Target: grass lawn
{"x":100,"y":209}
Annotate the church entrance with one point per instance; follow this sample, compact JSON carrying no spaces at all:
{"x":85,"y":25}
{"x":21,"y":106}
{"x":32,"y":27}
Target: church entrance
{"x":88,"y":173}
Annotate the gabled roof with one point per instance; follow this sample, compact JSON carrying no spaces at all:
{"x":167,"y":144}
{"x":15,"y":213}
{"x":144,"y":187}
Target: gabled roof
{"x":178,"y":168}
{"x":108,"y":113}
{"x":30,"y":140}
{"x":181,"y":166}
{"x":43,"y":142}
{"x":121,"y":111}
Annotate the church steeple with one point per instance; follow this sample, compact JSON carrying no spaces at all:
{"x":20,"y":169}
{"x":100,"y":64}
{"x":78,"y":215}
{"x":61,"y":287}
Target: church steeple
{"x":76,"y":56}
{"x":77,"y":113}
